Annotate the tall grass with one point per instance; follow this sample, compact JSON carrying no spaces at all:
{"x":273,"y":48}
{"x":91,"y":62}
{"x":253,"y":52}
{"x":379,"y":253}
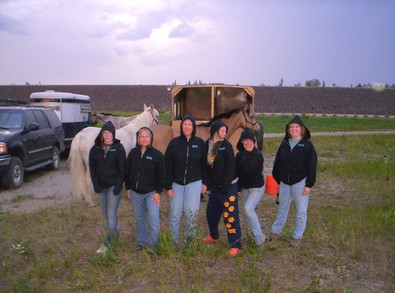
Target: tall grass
{"x":348,"y":244}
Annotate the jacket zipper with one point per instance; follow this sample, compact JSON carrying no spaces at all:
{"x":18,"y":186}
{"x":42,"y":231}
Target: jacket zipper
{"x":138,"y":174}
{"x":186,"y":163}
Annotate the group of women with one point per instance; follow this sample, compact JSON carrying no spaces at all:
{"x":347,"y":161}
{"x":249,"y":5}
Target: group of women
{"x":191,"y":167}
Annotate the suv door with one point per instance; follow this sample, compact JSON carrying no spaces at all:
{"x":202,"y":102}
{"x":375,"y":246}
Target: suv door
{"x":45,"y":135}
{"x":31,"y":140}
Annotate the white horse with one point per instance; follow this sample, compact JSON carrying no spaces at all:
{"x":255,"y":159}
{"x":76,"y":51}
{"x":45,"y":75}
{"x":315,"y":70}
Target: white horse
{"x":85,"y":139}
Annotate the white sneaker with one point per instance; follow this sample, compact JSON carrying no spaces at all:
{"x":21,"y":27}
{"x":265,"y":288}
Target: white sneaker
{"x":102,"y":249}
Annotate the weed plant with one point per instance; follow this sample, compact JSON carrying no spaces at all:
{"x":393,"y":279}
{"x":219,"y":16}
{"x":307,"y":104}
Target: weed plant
{"x":348,"y":244}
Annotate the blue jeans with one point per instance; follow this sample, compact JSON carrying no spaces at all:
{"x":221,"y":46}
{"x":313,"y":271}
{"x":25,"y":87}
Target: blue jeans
{"x":186,"y":198}
{"x":226,"y":205}
{"x":109,"y":204}
{"x":289,"y":193}
{"x":141,"y":205}
{"x":250,"y":199}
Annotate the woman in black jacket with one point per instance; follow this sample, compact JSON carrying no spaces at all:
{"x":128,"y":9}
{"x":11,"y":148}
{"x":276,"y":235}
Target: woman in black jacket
{"x":107,"y":167}
{"x":251,"y":183}
{"x":223,"y":198}
{"x":145,"y":177}
{"x":294,"y":169}
{"x":186,"y":177}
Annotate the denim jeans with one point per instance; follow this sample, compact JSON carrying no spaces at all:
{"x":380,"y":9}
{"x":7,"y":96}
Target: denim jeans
{"x":109,"y":204}
{"x":186,"y":199}
{"x":289,"y":193}
{"x":142,"y":204}
{"x":226,"y":205}
{"x":250,"y":199}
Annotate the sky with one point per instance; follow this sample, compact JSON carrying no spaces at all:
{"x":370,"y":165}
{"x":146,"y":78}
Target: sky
{"x":153,"y":42}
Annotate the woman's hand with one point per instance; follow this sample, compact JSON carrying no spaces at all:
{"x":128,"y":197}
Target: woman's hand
{"x":204,"y":188}
{"x":306,"y":190}
{"x":156,"y":199}
{"x":170,"y":193}
{"x":128,"y":194}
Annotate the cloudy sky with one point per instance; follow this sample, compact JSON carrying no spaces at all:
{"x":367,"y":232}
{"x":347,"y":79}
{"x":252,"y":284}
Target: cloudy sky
{"x":249,"y":42}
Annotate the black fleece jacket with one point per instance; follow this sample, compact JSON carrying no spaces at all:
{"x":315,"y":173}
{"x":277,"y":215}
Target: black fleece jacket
{"x":223,"y":170}
{"x":145,"y":173}
{"x":107,"y":169}
{"x":186,"y":158}
{"x":250,"y":168}
{"x":291,"y":166}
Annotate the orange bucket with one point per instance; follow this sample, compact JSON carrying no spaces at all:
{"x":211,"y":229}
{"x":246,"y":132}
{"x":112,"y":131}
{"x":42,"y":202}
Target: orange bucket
{"x":271,"y":185}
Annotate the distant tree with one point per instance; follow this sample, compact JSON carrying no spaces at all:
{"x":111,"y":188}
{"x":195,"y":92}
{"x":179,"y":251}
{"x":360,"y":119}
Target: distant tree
{"x":358,"y":85}
{"x":281,"y":82}
{"x":27,"y":83}
{"x":323,"y":83}
{"x":334,"y":85}
{"x":313,"y":83}
{"x":297,"y":84}
{"x":174,"y":83}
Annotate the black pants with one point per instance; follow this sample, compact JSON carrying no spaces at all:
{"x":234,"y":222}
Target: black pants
{"x":226,"y":204}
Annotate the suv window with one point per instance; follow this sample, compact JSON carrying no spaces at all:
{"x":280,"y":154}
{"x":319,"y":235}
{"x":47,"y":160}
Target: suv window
{"x":30,"y":118}
{"x":11,"y":120}
{"x":53,"y":119}
{"x":41,"y":120}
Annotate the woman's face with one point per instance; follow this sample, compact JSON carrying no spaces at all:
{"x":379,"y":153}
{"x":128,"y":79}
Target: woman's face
{"x":107,"y":137}
{"x":144,"y":138}
{"x":222,"y":133}
{"x":187,"y":128}
{"x":295,"y":130}
{"x":248,"y":144}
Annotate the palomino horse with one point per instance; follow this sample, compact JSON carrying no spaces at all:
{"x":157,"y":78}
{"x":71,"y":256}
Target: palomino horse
{"x":234,"y":119}
{"x":84,"y":140}
{"x":118,"y":121}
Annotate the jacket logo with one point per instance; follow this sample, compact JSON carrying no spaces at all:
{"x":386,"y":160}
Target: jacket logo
{"x":301,"y":144}
{"x":195,"y":146}
{"x":149,"y":158}
{"x":221,"y":148}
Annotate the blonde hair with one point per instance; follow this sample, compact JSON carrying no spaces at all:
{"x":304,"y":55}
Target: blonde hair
{"x":302,"y":130}
{"x":147,"y":131}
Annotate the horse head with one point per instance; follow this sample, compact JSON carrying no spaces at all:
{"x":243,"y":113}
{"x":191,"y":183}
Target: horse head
{"x":154,"y":114}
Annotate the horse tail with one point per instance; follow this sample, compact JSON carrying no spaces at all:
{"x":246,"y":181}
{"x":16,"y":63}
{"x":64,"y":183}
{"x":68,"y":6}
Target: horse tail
{"x":78,"y":170}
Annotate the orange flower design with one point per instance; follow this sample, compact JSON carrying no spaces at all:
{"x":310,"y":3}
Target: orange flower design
{"x":226,"y":215}
{"x":232,"y":198}
{"x":232,"y":231}
{"x":226,"y":204}
{"x":228,"y":226}
{"x":231,"y":208}
{"x":231,"y":220}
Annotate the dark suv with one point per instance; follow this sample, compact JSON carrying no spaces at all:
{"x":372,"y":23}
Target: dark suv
{"x":30,"y":138}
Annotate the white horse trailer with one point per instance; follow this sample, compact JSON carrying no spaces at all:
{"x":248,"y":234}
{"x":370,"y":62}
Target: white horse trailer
{"x":73,"y":110}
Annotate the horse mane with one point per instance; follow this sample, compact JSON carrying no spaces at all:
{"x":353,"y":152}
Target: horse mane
{"x":226,"y":115}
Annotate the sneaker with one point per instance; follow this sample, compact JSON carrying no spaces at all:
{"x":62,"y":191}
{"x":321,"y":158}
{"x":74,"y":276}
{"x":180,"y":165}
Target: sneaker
{"x":209,"y":239}
{"x":102,"y":249}
{"x":234,"y":251}
{"x":295,"y":242}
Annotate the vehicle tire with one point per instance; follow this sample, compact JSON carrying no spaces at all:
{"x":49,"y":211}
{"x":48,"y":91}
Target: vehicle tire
{"x":15,"y":174}
{"x":55,"y":159}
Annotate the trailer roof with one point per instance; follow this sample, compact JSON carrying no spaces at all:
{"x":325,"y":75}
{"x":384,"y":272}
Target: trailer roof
{"x":54,"y":94}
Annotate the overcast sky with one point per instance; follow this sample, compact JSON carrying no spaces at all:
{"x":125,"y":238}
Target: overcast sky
{"x":250,"y":42}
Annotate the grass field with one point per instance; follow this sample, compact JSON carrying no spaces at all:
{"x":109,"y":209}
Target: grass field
{"x":276,"y":123}
{"x":349,"y":243}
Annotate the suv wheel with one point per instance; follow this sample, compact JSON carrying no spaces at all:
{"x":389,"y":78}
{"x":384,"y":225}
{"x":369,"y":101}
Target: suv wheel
{"x":14,"y":176}
{"x":55,"y":159}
